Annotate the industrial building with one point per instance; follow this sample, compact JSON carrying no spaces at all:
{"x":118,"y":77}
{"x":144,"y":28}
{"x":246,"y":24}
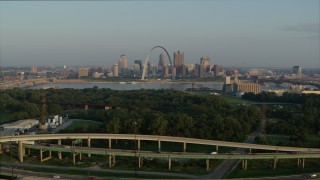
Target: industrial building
{"x":21,"y":124}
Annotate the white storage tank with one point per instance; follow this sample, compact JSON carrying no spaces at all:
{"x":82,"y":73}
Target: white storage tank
{"x":56,"y":118}
{"x":60,"y":120}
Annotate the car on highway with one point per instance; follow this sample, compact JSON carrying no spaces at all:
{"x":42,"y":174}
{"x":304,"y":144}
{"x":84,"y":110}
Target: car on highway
{"x":212,"y":153}
{"x":56,"y":177}
{"x":311,"y":176}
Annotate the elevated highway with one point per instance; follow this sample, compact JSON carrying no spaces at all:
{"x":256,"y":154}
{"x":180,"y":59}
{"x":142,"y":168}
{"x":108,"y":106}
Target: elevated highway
{"x":152,"y":138}
{"x":178,"y":155}
{"x":280,"y":152}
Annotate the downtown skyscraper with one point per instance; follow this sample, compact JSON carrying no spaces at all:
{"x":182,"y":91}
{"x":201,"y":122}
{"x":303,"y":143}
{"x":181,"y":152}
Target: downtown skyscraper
{"x":178,"y":61}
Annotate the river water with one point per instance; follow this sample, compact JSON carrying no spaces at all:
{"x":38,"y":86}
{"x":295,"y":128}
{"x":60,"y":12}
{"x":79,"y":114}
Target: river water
{"x":129,"y":86}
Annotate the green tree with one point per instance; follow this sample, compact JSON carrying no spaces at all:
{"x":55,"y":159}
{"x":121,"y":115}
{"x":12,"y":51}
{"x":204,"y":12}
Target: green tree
{"x":113,"y":125}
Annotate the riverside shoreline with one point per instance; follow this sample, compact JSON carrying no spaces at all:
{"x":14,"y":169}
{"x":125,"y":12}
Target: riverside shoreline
{"x":84,"y":81}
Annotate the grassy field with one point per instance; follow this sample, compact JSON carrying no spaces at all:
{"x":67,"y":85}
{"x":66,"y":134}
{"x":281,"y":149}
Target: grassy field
{"x":313,"y":140}
{"x":233,"y":100}
{"x":83,"y":126}
{"x":264,"y":168}
{"x":4,"y":118}
{"x":87,"y":172}
{"x":122,"y":163}
{"x":276,"y":139}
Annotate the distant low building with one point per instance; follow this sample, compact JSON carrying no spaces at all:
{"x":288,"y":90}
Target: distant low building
{"x":247,"y":87}
{"x":238,"y":88}
{"x":310,"y":92}
{"x":83,"y":72}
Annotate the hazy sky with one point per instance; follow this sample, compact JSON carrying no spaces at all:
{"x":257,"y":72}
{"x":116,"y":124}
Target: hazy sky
{"x":273,"y":33}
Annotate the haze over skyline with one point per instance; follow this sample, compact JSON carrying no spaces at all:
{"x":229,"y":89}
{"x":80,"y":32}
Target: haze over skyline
{"x":265,"y":33}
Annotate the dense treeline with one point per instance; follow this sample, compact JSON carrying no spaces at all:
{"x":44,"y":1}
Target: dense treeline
{"x":160,"y":112}
{"x":300,"y":119}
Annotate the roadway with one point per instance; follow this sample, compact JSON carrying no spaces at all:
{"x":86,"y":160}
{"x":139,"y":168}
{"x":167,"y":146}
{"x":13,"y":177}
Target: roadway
{"x":139,"y":137}
{"x":30,"y":175}
{"x":126,"y":172}
{"x":227,"y":166}
{"x":166,"y":155}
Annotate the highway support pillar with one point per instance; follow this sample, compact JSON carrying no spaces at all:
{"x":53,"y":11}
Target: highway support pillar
{"x":303,"y":163}
{"x":184,"y":147}
{"x":110,"y":163}
{"x":112,"y":160}
{"x":159,"y":145}
{"x":140,"y":162}
{"x":298,"y":162}
{"x":23,"y":151}
{"x":110,"y":141}
{"x":89,"y":145}
{"x":275,"y":164}
{"x":41,"y":156}
{"x":217,"y":148}
{"x":169,"y":163}
{"x":20,"y":151}
{"x":245,"y":164}
{"x":208,"y":164}
{"x":59,"y":153}
{"x":74,"y":158}
{"x":138,"y":144}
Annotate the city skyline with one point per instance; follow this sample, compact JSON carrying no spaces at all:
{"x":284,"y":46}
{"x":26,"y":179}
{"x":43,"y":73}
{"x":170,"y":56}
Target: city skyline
{"x":231,"y":33}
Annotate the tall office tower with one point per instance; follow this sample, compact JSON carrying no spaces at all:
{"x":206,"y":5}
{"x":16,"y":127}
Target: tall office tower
{"x":136,"y":68}
{"x":34,"y":69}
{"x":115,"y":70}
{"x":140,"y":64}
{"x":196,"y":71}
{"x":216,"y":69}
{"x":205,"y":61}
{"x":64,"y":72}
{"x":227,"y":80}
{"x":123,"y":61}
{"x":297,"y":70}
{"x":183,"y":70}
{"x":162,"y":60}
{"x":201,"y":70}
{"x":166,"y":72}
{"x":178,"y":61}
{"x":235,"y":73}
{"x":190,"y":69}
{"x":83,"y":72}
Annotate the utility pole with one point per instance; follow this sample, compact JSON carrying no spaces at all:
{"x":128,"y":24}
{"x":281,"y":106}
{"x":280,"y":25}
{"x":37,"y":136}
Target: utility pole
{"x":263,"y":120}
{"x":135,"y":148}
{"x":43,"y":110}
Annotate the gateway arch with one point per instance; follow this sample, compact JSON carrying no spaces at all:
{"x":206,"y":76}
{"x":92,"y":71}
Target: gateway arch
{"x":147,"y":60}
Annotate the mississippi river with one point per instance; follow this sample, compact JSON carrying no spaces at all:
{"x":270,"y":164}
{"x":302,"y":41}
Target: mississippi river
{"x":129,"y":86}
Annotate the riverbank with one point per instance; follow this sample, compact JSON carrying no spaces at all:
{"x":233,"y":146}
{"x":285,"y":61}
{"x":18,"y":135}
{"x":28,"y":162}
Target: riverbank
{"x":86,"y":81}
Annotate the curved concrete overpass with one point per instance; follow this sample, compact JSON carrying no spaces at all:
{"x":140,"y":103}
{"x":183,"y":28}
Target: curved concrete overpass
{"x":152,"y":138}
